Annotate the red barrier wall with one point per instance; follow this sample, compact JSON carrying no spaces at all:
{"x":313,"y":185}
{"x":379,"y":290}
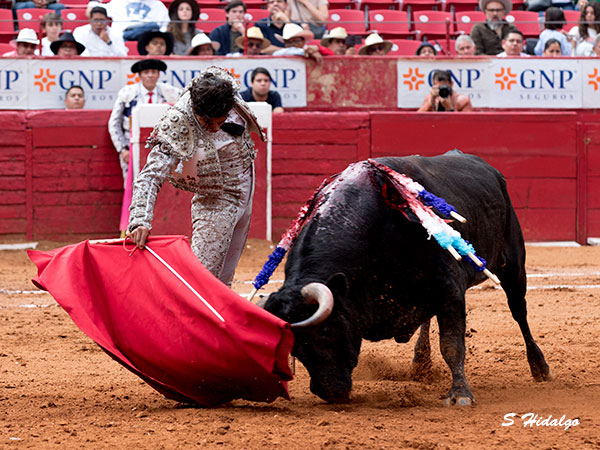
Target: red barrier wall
{"x":60,"y":178}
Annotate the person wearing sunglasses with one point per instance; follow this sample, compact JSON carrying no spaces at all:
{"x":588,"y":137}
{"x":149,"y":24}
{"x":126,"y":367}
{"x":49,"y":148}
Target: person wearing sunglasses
{"x":97,"y":36}
{"x":375,"y":45}
{"x":488,"y":35}
{"x":202,"y":145}
{"x":254,"y":45}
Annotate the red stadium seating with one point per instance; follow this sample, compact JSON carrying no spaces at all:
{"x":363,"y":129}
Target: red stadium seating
{"x":432,"y":24}
{"x":455,"y":6}
{"x":526,"y":21}
{"x":445,"y":47}
{"x":404,"y":47}
{"x":369,"y":5}
{"x":210,"y":18}
{"x":343,"y":4}
{"x":5,"y":48}
{"x":30,"y":17}
{"x":389,"y":23}
{"x":210,"y":4}
{"x":253,"y":14}
{"x":71,"y":4}
{"x":466,"y":20}
{"x":352,"y":20}
{"x":572,"y":18}
{"x":132,"y":46}
{"x":73,"y":18}
{"x":411,"y":6}
{"x":7,"y":26}
{"x":254,"y":4}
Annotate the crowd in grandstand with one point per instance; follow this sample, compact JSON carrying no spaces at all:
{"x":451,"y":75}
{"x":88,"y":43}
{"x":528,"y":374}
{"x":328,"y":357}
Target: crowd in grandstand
{"x":298,"y":27}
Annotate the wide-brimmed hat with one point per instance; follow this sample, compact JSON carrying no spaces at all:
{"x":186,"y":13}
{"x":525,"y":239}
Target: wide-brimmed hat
{"x":149,"y":35}
{"x":506,"y":3}
{"x":426,"y":44}
{"x":374,"y":39}
{"x":335,"y":33}
{"x":192,"y":3}
{"x":253,"y":33}
{"x":67,"y":36}
{"x":147,"y":64}
{"x":26,"y":35}
{"x":202,"y":39}
{"x":292,"y":30}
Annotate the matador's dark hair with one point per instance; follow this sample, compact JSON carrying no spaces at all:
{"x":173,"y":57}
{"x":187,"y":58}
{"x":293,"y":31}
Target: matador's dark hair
{"x":212,"y":96}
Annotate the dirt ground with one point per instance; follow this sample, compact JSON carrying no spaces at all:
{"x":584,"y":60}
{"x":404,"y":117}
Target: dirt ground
{"x":59,"y":390}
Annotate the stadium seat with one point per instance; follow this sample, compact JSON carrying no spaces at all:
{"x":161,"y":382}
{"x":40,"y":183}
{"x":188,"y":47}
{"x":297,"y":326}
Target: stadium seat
{"x":30,"y":17}
{"x":466,"y":20}
{"x":369,"y":5}
{"x":132,"y":46}
{"x":572,"y":19}
{"x":7,"y":25}
{"x":255,"y":4}
{"x":5,"y":48}
{"x":75,"y":4}
{"x":526,"y":21}
{"x":430,"y":24}
{"x":404,"y":47}
{"x":389,"y":23}
{"x":455,"y":6}
{"x":353,"y":20}
{"x":253,"y":14}
{"x":343,"y":4}
{"x":444,"y":47}
{"x":73,"y":18}
{"x":210,"y":18}
{"x":210,"y":4}
{"x":411,"y":6}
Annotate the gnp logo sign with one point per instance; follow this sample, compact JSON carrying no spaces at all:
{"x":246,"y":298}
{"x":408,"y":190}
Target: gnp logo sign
{"x":49,"y":81}
{"x":536,"y":83}
{"x":415,"y":79}
{"x":13,"y":84}
{"x":590,"y":83}
{"x":289,"y":75}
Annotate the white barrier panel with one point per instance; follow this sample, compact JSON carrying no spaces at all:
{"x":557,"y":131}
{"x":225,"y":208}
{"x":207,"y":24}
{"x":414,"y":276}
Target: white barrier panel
{"x":42,"y":83}
{"x":507,"y":82}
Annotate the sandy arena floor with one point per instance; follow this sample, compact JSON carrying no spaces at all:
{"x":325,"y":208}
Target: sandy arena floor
{"x":59,"y":390}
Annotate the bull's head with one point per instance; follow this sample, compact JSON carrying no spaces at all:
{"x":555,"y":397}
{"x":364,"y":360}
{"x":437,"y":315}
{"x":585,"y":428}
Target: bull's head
{"x":324,"y":340}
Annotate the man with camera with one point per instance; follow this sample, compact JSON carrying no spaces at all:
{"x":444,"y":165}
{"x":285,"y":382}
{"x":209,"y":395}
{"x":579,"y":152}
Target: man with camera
{"x":442,"y":97}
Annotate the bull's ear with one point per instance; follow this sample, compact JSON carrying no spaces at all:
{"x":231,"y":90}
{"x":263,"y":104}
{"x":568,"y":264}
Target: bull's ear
{"x":338,"y":285}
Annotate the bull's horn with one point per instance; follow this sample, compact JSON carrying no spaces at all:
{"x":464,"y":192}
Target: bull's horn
{"x":262,"y":300}
{"x":316,"y":293}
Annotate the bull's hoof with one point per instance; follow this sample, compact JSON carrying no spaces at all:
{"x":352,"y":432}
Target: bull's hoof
{"x":460,"y":401}
{"x":542,"y":373}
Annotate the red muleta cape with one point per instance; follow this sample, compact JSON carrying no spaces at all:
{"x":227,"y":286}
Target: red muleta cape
{"x":143,"y":316}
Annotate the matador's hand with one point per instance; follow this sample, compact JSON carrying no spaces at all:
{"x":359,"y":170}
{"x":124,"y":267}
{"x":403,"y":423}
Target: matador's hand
{"x":139,"y":236}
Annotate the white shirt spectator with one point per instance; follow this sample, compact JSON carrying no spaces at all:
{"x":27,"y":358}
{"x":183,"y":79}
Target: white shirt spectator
{"x":46,"y":47}
{"x":95,"y":46}
{"x":125,"y":13}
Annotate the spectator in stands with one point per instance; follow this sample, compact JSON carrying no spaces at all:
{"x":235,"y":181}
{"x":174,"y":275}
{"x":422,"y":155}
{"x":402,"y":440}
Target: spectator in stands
{"x":74,"y":98}
{"x":464,"y":45}
{"x":336,"y":41}
{"x":513,"y":45}
{"x":227,"y":34}
{"x":586,"y":31}
{"x":184,"y":14}
{"x":426,"y":49}
{"x":51,"y":24}
{"x":442,"y":97}
{"x":552,"y":48}
{"x":43,"y":4}
{"x":97,"y":36}
{"x":313,"y":13}
{"x":155,"y":43}
{"x":272,"y":26}
{"x":25,"y":44}
{"x":295,"y":38}
{"x":375,"y":45}
{"x":132,"y":18}
{"x":256,"y":42}
{"x":67,"y":46}
{"x":260,"y":90}
{"x":148,"y":90}
{"x":554,"y":20}
{"x":202,"y":46}
{"x":488,"y":36}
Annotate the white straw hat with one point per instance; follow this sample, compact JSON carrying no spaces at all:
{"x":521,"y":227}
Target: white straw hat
{"x":374,"y":39}
{"x":26,"y":35}
{"x":292,"y":30}
{"x":336,"y":33}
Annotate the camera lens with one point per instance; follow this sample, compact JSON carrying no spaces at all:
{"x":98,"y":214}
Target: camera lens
{"x":444,"y":91}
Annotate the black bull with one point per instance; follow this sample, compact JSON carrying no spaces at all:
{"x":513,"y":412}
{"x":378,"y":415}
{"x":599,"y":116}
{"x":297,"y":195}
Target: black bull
{"x":386,"y":278}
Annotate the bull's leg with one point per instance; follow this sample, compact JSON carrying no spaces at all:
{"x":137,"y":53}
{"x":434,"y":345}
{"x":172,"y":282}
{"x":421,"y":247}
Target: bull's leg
{"x":421,"y":363}
{"x":514,"y":283}
{"x":452,"y":325}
